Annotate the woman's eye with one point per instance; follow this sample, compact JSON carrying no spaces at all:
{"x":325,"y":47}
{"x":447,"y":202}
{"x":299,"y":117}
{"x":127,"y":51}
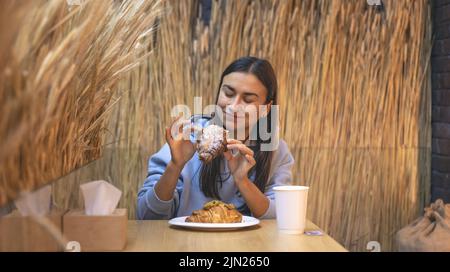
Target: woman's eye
{"x":228,"y":93}
{"x":249,"y":100}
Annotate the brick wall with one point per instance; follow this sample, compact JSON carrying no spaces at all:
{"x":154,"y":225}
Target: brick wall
{"x":440,"y":67}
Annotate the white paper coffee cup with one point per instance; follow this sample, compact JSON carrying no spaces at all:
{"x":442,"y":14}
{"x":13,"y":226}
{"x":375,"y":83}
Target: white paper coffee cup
{"x":291,"y":202}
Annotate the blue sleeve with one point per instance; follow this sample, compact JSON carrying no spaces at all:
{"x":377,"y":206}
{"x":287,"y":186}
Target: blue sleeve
{"x":282,"y":175}
{"x":149,"y":206}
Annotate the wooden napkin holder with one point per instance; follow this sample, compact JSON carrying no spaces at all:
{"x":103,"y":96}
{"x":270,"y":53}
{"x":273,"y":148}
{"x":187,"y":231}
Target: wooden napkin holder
{"x":97,"y":232}
{"x":20,"y":233}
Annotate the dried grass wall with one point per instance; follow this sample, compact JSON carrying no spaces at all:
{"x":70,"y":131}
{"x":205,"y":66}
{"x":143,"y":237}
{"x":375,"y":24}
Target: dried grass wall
{"x":354,"y":95}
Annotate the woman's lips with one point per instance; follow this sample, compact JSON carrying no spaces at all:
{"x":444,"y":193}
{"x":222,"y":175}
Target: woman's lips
{"x":237,"y":116}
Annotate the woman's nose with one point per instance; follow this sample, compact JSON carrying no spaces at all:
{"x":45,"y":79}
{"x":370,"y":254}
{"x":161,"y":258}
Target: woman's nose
{"x":235,"y":105}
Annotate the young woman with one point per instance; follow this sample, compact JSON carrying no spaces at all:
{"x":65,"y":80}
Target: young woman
{"x":179,"y":183}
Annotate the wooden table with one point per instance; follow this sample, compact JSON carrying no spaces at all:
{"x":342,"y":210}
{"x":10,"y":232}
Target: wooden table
{"x":157,"y":235}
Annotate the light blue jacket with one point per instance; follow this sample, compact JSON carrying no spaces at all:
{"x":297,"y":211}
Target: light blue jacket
{"x":188,"y":197}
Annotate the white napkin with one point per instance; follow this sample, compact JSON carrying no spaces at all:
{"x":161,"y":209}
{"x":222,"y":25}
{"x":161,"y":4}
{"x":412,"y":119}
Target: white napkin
{"x":35,"y":203}
{"x":100,"y":197}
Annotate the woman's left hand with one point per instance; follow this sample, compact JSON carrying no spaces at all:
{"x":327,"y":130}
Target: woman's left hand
{"x":241,"y":163}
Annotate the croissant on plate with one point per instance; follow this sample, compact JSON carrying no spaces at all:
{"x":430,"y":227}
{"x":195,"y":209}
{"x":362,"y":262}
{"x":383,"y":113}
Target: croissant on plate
{"x":216,"y":212}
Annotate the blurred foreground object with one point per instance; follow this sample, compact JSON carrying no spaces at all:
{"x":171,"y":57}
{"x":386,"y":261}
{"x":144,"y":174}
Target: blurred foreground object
{"x":59,"y":69}
{"x":430,"y":232}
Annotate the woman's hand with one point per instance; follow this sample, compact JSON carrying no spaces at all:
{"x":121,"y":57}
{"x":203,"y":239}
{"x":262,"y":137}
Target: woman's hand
{"x":181,"y":148}
{"x":241,"y":163}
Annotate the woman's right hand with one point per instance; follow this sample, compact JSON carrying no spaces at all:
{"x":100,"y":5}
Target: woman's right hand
{"x":181,"y":148}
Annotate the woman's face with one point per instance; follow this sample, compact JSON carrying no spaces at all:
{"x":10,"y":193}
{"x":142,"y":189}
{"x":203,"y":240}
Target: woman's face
{"x":240,"y":96}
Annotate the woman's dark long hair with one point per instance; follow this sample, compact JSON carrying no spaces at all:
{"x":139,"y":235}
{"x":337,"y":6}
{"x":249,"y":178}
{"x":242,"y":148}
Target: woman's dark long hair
{"x":210,"y":176}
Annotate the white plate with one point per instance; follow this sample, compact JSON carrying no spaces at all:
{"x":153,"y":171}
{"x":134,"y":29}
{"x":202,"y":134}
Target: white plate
{"x":247,"y":221}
